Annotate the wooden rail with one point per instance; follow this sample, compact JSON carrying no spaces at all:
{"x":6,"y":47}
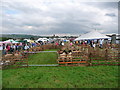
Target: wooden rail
{"x":92,"y":56}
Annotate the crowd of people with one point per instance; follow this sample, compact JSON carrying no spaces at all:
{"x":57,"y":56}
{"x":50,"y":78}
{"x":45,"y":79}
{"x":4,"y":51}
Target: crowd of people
{"x":92,"y":43}
{"x":14,"y":48}
{"x":17,"y":47}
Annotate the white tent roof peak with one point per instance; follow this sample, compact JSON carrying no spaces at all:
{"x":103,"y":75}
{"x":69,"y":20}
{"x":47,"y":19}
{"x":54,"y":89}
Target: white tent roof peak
{"x":92,"y":35}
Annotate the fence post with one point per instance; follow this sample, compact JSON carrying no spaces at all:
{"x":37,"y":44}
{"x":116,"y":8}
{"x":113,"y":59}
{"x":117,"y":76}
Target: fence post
{"x":89,"y":56}
{"x":118,"y":52}
{"x":106,"y":54}
{"x":90,"y":60}
{"x":27,"y":61}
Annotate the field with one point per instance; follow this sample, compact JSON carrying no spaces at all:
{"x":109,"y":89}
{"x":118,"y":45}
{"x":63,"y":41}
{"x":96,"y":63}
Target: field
{"x":43,"y":58}
{"x":59,"y":77}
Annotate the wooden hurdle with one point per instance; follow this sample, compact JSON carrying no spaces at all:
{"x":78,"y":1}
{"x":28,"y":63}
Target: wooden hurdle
{"x":14,"y":61}
{"x":89,"y":56}
{"x":72,"y":60}
{"x":105,"y":56}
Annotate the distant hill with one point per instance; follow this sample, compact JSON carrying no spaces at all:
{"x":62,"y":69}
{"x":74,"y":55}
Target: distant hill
{"x":25,"y":36}
{"x":15,"y":36}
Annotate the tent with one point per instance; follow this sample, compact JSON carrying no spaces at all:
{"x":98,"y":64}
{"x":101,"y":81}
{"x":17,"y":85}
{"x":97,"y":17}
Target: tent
{"x":15,"y":42}
{"x":7,"y":42}
{"x":22,"y":41}
{"x":10,"y":41}
{"x":92,"y":36}
{"x":31,"y":41}
{"x":1,"y":42}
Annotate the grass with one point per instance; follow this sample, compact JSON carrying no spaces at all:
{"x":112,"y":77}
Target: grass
{"x":43,"y":58}
{"x":51,"y":58}
{"x":1,"y":79}
{"x":61,"y":77}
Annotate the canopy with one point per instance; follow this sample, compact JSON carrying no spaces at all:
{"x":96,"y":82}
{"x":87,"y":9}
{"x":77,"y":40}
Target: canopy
{"x":1,"y":42}
{"x":7,"y":42}
{"x":4,"y":42}
{"x":92,"y":35}
{"x":15,"y":42}
{"x":22,"y":41}
{"x":10,"y":41}
{"x":31,"y":41}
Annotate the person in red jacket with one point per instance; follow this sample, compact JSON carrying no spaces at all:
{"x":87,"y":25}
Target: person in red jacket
{"x":8,"y":48}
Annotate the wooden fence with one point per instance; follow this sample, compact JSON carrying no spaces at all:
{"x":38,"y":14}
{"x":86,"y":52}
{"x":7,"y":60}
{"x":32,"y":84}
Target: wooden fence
{"x":21,"y":59}
{"x":88,"y":56}
{"x":14,"y":61}
{"x":105,"y":56}
{"x":73,"y":59}
{"x":81,"y":56}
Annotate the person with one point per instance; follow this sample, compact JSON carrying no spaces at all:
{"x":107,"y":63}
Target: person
{"x":62,"y":43}
{"x":76,"y":42}
{"x":23,"y":46}
{"x":4,"y":49}
{"x":33,"y":44}
{"x":91,"y":43}
{"x":1,"y":48}
{"x":57,"y":43}
{"x":41,"y":42}
{"x":4,"y":46}
{"x":88,"y":42}
{"x":26,"y":47}
{"x":80,"y":42}
{"x":101,"y":43}
{"x":97,"y":43}
{"x":94,"y":45}
{"x":20,"y":46}
{"x":14,"y":47}
{"x":11,"y":49}
{"x":71,"y":44}
{"x":8,"y":48}
{"x":85,"y":42}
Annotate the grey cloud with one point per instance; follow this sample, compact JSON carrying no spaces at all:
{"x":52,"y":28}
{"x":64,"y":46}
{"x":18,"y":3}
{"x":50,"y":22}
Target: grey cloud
{"x":58,"y":18}
{"x":96,"y":24}
{"x":110,"y":14}
{"x":19,"y":6}
{"x":104,"y":5}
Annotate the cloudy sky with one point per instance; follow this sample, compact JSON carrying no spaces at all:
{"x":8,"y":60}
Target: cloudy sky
{"x":48,"y":17}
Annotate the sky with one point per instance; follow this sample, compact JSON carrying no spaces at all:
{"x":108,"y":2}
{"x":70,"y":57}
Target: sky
{"x":48,"y":17}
